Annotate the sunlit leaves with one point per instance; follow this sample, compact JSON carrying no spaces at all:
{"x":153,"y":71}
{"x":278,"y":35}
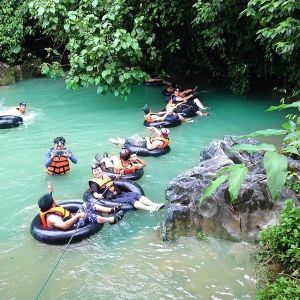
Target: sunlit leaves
{"x":276,"y":168}
{"x":266,"y":132}
{"x":212,"y":186}
{"x":253,"y":148}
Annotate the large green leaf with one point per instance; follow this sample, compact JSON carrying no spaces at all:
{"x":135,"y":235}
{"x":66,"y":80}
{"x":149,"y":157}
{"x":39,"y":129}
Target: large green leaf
{"x":266,"y":132}
{"x":290,"y":126}
{"x":236,"y":179}
{"x":253,"y":148}
{"x":292,"y":136}
{"x":226,"y":169}
{"x":276,"y":168}
{"x":211,"y":187}
{"x":291,"y":149}
{"x":283,"y":106}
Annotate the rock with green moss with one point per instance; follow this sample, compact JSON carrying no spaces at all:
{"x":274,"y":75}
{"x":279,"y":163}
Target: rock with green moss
{"x":7,"y":74}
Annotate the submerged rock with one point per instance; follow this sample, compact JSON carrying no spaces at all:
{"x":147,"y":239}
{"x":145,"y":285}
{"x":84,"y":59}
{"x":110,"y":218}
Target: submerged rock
{"x":251,"y":212}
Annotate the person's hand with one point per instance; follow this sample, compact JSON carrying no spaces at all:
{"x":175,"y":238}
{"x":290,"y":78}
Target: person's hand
{"x":53,"y":153}
{"x":66,"y":153}
{"x":82,"y":215}
{"x":50,"y":186}
{"x":133,"y":156}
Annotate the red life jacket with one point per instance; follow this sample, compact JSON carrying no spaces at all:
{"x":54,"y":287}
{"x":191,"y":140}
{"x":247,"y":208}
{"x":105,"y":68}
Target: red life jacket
{"x":59,"y":166}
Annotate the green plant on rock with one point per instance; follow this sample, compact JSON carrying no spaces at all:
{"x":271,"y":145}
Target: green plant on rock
{"x":201,"y":236}
{"x":275,"y":161}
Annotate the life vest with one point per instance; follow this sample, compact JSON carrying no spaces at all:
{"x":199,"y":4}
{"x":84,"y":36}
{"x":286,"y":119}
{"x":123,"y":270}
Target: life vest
{"x":127,"y":170}
{"x":59,"y":166}
{"x":105,"y":184}
{"x":58,"y":210}
{"x":164,"y":140}
{"x":148,"y":118}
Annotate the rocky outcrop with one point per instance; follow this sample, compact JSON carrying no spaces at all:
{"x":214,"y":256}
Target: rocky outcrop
{"x":252,"y":211}
{"x":9,"y":74}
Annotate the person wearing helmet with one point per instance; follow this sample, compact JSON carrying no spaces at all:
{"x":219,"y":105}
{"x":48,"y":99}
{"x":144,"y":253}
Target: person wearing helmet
{"x":160,"y":141}
{"x":151,"y":117}
{"x":103,"y":187}
{"x":57,"y":158}
{"x":175,"y":99}
{"x":22,"y":108}
{"x":54,"y":216}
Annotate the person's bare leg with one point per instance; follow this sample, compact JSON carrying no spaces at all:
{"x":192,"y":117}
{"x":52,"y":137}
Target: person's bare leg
{"x":105,"y":220}
{"x":181,"y":118}
{"x":199,"y":104}
{"x":119,"y":141}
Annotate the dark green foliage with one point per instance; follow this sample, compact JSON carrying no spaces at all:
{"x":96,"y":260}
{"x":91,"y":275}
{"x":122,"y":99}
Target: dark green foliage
{"x":284,"y":239}
{"x":280,"y":243}
{"x":13,"y":30}
{"x":114,"y":44}
{"x":281,"y":289}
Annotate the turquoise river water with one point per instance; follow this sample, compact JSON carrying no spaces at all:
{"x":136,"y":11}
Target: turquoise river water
{"x":127,"y":260}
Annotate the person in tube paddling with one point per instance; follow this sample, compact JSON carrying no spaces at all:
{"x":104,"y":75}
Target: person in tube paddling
{"x":54,"y":216}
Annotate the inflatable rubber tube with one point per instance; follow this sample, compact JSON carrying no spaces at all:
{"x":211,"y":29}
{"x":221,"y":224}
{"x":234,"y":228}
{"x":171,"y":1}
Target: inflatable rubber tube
{"x":58,"y":236}
{"x":10,"y":121}
{"x":142,"y":151}
{"x":166,"y":93}
{"x":165,"y":124}
{"x":153,"y":83}
{"x":125,"y":186}
{"x":133,"y":176}
{"x":189,"y":114}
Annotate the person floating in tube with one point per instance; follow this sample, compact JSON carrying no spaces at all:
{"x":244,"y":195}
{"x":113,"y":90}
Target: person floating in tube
{"x":22,"y":108}
{"x":57,"y":158}
{"x":161,"y":140}
{"x":54,"y":216}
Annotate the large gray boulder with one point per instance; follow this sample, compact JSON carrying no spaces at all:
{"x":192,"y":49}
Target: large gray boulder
{"x":252,"y":211}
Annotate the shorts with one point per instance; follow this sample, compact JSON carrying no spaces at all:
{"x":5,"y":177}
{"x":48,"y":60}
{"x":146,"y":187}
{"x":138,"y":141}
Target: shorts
{"x":135,"y":140}
{"x":171,"y":118}
{"x":91,"y":218}
{"x":128,"y":197}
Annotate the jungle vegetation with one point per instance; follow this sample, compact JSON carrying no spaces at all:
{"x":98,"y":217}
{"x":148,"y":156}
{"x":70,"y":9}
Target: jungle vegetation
{"x":115,"y":44}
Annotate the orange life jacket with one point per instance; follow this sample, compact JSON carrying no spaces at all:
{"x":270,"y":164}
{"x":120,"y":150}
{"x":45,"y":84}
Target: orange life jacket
{"x":59,"y":166}
{"x":58,"y":210}
{"x":164,"y":140}
{"x":127,"y":170}
{"x":148,"y":118}
{"x":104,"y":183}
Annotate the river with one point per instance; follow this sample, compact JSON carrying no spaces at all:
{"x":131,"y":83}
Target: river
{"x":127,"y":260}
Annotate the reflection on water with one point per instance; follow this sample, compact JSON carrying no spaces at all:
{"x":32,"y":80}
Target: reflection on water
{"x":127,"y":260}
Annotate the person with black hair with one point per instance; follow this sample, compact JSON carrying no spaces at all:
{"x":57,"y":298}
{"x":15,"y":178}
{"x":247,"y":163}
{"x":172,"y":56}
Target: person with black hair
{"x":22,"y":108}
{"x":54,"y":216}
{"x":57,"y":158}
